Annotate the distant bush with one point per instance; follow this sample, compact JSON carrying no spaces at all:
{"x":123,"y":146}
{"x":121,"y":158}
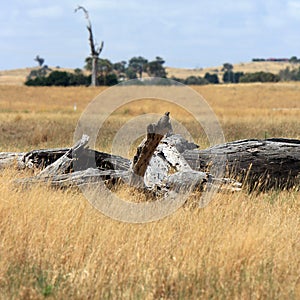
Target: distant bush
{"x":232,"y":77}
{"x":58,"y":78}
{"x":259,"y":77}
{"x":211,"y":78}
{"x":62,"y":78}
{"x":195,"y":80}
{"x":109,"y":79}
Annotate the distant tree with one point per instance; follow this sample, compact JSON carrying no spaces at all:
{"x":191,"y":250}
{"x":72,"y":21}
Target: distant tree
{"x":95,"y":51}
{"x":77,"y":71}
{"x":237,"y":76}
{"x":227,"y":67}
{"x":88,"y":64}
{"x":155,"y":68}
{"x":138,"y":65}
{"x":104,"y":65}
{"x":211,"y":78}
{"x":41,"y":72}
{"x":130,"y":73}
{"x":109,"y":79}
{"x":58,"y":78}
{"x":195,"y":80}
{"x":232,"y":77}
{"x":120,"y":67}
{"x":228,"y":77}
{"x":39,"y":60}
{"x":294,"y":60}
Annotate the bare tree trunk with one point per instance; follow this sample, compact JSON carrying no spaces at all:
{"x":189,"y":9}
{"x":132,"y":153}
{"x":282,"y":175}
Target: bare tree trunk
{"x":94,"y":70}
{"x":95,"y":52}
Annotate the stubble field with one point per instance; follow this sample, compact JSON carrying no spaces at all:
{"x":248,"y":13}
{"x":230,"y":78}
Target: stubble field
{"x":54,"y":244}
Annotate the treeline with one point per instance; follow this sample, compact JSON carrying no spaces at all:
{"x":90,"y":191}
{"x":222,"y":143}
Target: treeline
{"x":114,"y":73}
{"x":63,"y":78}
{"x":109,"y":73}
{"x":229,"y":76}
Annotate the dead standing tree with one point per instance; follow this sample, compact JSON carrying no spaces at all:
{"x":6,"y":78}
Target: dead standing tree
{"x":95,"y":51}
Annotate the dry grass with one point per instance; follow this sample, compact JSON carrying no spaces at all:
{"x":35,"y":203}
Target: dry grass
{"x":238,"y":247}
{"x":53,"y":243}
{"x":44,"y":117}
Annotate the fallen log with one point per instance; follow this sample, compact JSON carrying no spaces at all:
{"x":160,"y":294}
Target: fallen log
{"x":9,"y":159}
{"x":170,"y":162}
{"x":40,"y":159}
{"x":77,"y":179}
{"x":263,"y":164}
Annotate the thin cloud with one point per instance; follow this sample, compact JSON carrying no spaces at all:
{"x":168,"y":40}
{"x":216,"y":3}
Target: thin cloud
{"x":46,"y":12}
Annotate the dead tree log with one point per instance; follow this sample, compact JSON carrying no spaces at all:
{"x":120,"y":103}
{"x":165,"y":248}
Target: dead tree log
{"x":64,"y":163}
{"x":8,"y":159}
{"x":170,"y":162}
{"x":78,"y":178}
{"x":263,"y":164}
{"x":41,"y":159}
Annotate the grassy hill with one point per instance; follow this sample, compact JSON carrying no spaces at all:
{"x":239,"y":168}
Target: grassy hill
{"x":18,"y":76}
{"x":250,"y":67}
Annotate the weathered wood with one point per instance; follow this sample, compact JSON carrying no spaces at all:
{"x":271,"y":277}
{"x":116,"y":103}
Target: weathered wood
{"x":145,"y":150}
{"x":64,"y":163}
{"x":42,"y":158}
{"x":104,"y":161}
{"x":8,"y":159}
{"x":167,"y":159}
{"x":270,"y":163}
{"x":170,"y":162}
{"x":187,"y":180}
{"x":77,"y":178}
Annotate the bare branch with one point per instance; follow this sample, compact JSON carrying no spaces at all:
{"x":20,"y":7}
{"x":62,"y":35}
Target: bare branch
{"x":84,"y":11}
{"x":99,"y":49}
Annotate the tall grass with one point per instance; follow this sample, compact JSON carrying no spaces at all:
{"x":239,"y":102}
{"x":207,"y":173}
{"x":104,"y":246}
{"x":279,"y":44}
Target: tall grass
{"x":54,"y":244}
{"x":238,"y":247}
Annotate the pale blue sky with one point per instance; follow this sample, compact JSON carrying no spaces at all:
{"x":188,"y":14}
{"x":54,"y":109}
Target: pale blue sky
{"x":185,"y":33}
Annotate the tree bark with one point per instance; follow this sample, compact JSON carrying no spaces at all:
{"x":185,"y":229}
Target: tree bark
{"x":94,"y":81}
{"x":145,"y":151}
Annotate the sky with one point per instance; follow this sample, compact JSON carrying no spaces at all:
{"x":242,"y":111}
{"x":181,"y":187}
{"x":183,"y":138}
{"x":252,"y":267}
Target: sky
{"x":186,"y":34}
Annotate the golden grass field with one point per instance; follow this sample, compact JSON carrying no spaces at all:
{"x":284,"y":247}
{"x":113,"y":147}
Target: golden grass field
{"x":54,"y":244}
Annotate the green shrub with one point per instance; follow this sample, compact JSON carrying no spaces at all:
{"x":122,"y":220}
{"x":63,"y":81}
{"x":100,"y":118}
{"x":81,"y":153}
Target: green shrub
{"x":260,"y":77}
